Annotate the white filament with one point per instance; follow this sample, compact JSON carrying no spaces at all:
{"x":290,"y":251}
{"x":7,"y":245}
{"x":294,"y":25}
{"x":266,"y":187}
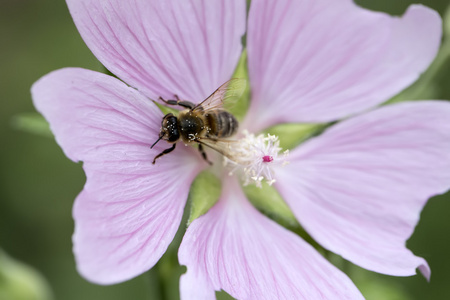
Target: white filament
{"x":255,"y":158}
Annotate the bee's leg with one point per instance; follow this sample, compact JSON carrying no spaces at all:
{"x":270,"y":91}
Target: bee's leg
{"x":182,"y":103}
{"x":202,"y":151}
{"x":164,"y":153}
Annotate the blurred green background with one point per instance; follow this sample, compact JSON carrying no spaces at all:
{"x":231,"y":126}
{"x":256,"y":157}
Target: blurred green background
{"x":38,"y":183}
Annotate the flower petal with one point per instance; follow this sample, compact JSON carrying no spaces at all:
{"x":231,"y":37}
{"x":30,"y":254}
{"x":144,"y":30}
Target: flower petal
{"x":358,"y":189}
{"x":327,"y":59}
{"x":196,"y":286}
{"x":188,"y":48}
{"x":129,"y":209}
{"x":235,"y":248}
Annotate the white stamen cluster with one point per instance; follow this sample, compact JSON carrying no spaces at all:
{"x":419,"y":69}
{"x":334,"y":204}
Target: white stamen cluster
{"x":255,"y":156}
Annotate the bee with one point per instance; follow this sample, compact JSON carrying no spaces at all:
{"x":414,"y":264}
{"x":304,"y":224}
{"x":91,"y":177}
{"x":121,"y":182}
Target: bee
{"x":207,"y":123}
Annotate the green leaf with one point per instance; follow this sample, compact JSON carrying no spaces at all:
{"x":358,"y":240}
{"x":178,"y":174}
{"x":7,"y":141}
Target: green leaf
{"x":446,"y":21}
{"x":293,"y":134}
{"x":374,"y":286}
{"x":374,"y":290}
{"x":31,"y":123}
{"x":222,"y":295}
{"x":21,"y":282}
{"x":268,"y":201}
{"x":240,"y":107}
{"x":204,"y":193}
{"x":165,"y":109}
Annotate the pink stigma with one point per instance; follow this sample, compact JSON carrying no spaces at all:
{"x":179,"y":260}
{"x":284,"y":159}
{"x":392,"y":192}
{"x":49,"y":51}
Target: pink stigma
{"x":267,"y":158}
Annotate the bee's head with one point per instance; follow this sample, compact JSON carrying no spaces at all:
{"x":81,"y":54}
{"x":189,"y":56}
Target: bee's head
{"x":169,"y":129}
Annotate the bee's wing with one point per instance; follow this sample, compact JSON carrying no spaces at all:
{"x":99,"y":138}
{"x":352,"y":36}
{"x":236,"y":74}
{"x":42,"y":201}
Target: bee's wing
{"x":222,"y":146}
{"x":228,"y":92}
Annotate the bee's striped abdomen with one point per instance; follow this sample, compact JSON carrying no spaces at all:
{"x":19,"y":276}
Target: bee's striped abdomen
{"x":221,"y":124}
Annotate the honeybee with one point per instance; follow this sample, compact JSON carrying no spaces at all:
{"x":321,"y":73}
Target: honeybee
{"x":206,"y":123}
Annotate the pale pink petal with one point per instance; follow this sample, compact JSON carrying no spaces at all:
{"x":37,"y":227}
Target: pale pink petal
{"x":325,"y":59}
{"x":183,"y":47}
{"x":129,"y":209}
{"x":235,"y":248}
{"x":359,"y":188}
{"x":194,"y":285}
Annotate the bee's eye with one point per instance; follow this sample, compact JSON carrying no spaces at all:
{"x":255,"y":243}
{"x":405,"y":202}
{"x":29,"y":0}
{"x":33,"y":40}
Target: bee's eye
{"x":169,"y":129}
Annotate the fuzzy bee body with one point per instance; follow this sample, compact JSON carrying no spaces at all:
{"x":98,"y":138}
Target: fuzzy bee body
{"x":205,"y":123}
{"x":191,"y":125}
{"x":221,"y":124}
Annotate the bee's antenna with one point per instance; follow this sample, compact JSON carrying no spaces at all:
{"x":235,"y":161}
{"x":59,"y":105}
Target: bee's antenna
{"x":160,"y":137}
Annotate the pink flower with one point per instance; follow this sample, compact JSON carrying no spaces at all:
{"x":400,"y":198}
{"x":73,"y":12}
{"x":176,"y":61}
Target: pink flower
{"x":357,"y":189}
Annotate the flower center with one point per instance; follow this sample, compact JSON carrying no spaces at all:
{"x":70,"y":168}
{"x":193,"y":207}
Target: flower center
{"x":267,"y":158}
{"x":255,"y":158}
